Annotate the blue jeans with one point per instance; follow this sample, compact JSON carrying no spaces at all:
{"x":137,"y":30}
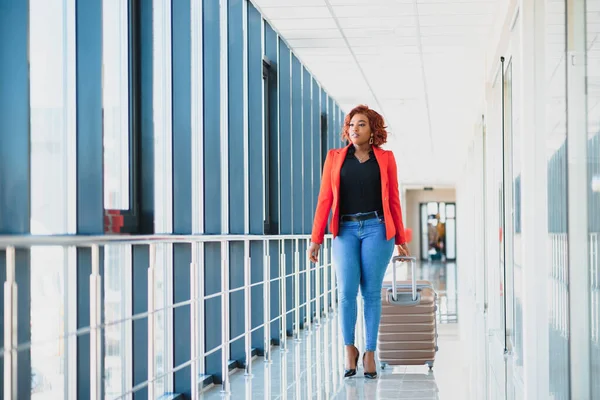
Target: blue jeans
{"x":361,"y":254}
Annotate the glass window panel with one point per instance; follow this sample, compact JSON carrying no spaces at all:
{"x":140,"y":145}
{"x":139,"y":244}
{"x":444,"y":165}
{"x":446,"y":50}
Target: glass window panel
{"x":117,"y":261}
{"x":115,"y":103}
{"x":494,"y":262}
{"x":52,"y":107}
{"x":432,"y":208}
{"x":450,"y":211}
{"x":47,"y":323}
{"x":52,"y":101}
{"x":451,"y":239}
{"x":593,"y":150}
{"x":514,"y":244}
{"x":424,"y":230}
{"x":163,"y":119}
{"x":164,"y":264}
{"x":556,"y":130}
{"x":163,"y":186}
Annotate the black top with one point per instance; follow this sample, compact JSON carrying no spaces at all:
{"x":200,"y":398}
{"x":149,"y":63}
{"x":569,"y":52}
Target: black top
{"x":360,"y":185}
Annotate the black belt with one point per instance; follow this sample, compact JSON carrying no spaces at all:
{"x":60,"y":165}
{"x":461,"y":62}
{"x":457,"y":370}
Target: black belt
{"x":362,"y":217}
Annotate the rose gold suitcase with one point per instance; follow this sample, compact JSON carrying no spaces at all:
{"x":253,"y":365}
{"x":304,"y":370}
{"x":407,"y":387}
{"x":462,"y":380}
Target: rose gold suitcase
{"x":408,"y":327}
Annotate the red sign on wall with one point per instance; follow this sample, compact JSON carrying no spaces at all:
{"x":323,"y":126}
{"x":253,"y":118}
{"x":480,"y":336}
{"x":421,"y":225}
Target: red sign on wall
{"x":408,"y":234}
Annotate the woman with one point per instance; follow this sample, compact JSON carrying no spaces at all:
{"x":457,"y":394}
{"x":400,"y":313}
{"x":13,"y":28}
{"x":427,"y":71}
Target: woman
{"x":360,"y":187}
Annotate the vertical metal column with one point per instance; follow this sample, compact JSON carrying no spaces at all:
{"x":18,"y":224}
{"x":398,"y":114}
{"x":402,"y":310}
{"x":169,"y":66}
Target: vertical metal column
{"x":246,"y":135}
{"x":194,"y":323}
{"x":96,"y":330}
{"x":308,"y":304}
{"x":332,"y":293}
{"x":151,"y":307}
{"x":127,"y":332}
{"x":89,"y":188}
{"x":197,"y":112}
{"x":184,"y":169}
{"x":297,"y":290}
{"x":10,"y":328}
{"x":70,"y":321}
{"x":333,"y":285}
{"x":224,"y":111}
{"x":267,"y":301}
{"x":503,"y":208}
{"x":318,"y":288}
{"x":201,"y":312}
{"x":325,"y":279}
{"x":282,"y":297}
{"x":225,"y":315}
{"x":248,"y":309}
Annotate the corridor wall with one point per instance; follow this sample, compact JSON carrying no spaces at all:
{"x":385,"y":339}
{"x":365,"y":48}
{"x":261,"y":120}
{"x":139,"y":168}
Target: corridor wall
{"x":530,"y":266}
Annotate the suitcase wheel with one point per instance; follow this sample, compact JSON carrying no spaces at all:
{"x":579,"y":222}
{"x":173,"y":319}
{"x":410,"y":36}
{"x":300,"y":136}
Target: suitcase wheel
{"x":436,"y":348}
{"x":430,"y":365}
{"x":382,"y":366}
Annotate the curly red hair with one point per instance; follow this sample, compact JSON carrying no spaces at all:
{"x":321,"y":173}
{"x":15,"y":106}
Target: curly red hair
{"x":376,"y":124}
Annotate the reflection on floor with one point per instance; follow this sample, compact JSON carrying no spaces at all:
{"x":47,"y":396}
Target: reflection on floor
{"x":312,"y":368}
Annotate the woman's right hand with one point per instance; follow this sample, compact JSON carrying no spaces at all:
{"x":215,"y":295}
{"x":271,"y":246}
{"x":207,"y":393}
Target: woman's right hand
{"x":313,"y":252}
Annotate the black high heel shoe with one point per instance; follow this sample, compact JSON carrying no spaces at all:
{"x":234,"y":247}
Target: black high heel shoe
{"x":369,"y":375}
{"x":351,"y":372}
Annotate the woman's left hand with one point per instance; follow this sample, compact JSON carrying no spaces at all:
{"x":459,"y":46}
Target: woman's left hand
{"x":403,"y":250}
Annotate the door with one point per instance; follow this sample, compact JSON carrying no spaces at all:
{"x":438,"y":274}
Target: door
{"x":438,"y":231}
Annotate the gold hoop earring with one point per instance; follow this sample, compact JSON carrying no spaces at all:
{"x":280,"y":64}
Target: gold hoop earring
{"x":371,"y":140}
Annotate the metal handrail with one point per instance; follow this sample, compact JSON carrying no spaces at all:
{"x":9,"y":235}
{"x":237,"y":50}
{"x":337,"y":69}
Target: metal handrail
{"x":25,"y":241}
{"x":196,"y":302}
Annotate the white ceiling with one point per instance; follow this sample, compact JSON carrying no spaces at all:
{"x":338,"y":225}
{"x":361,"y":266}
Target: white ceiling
{"x":418,"y":62}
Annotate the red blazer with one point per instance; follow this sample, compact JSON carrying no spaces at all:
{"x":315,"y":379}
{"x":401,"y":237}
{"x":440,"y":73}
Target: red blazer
{"x":329,"y":198}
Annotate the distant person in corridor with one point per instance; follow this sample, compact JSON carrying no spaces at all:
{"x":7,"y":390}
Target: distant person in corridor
{"x":360,"y":187}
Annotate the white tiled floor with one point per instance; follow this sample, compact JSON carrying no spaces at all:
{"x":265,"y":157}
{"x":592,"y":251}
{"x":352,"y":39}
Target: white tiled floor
{"x":313,"y":368}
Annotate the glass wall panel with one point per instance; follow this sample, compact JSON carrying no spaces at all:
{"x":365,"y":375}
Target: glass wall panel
{"x":494,"y":235}
{"x":116,"y":141}
{"x":162,"y":316}
{"x":115,"y":99}
{"x":556,"y":130}
{"x":48,"y":355}
{"x":450,"y":231}
{"x":512,"y":128}
{"x":163,"y":189}
{"x":52,"y":102}
{"x":593,"y":152}
{"x":117,"y":307}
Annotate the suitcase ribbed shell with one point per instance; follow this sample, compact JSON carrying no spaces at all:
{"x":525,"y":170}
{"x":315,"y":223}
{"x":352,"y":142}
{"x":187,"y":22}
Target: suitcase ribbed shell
{"x":407,"y":333}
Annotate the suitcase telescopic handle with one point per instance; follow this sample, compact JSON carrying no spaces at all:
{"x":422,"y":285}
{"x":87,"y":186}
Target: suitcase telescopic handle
{"x":413,"y":261}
